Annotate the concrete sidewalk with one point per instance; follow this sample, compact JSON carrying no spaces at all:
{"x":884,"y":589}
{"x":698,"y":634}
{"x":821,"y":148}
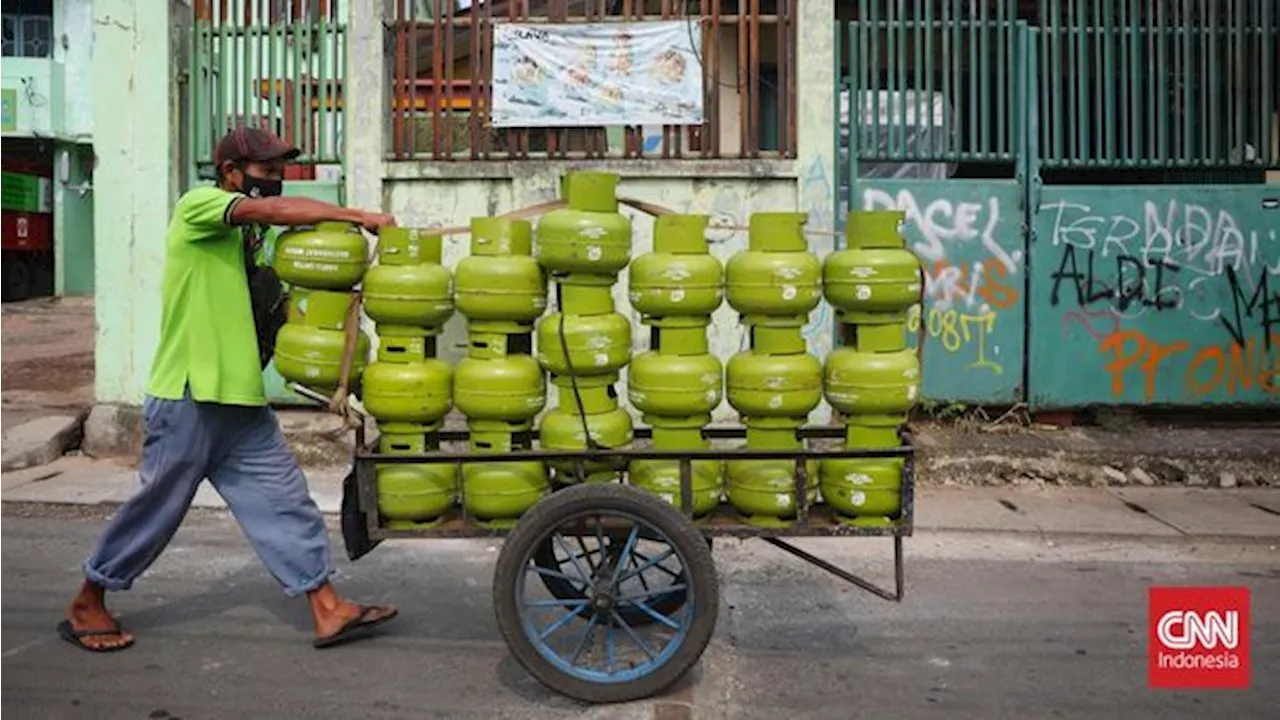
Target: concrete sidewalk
{"x":1153,"y":512}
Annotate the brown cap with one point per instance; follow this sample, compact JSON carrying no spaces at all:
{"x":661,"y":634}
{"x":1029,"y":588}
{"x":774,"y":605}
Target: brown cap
{"x":248,"y":144}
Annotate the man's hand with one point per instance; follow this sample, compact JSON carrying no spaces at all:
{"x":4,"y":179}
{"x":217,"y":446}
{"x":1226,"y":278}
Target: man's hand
{"x":373,"y":222}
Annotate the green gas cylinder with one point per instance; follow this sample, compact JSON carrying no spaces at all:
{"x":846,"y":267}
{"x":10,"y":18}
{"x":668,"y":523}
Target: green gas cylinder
{"x":675,"y":385}
{"x":764,"y":491}
{"x":774,"y":386}
{"x":408,"y":286}
{"x":776,"y":280}
{"x":412,"y":495}
{"x":508,"y":388}
{"x":876,"y":274}
{"x":309,"y":346}
{"x":597,"y":344}
{"x":589,"y":395}
{"x":500,"y":284}
{"x":679,"y":278}
{"x":498,"y":493}
{"x":329,"y":256}
{"x":415,"y":392}
{"x":872,"y":383}
{"x":562,"y":430}
{"x":662,"y":477}
{"x":863,"y":490}
{"x":590,"y":236}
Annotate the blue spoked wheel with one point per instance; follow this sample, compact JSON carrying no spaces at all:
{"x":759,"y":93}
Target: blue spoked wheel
{"x":592,"y":646}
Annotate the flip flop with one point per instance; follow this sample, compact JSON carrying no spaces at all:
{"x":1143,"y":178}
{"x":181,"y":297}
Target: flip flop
{"x":76,"y":637}
{"x":355,"y":628}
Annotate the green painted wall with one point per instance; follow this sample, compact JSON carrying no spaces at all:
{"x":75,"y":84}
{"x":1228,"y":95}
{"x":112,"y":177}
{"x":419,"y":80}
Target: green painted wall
{"x":1156,"y":295}
{"x":969,"y":236}
{"x":73,"y":230}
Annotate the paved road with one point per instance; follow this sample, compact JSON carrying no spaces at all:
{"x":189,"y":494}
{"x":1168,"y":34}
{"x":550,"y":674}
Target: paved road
{"x":993,"y":627}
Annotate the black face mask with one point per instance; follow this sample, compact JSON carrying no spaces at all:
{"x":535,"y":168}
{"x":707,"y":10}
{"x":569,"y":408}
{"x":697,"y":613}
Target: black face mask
{"x":261,"y":187}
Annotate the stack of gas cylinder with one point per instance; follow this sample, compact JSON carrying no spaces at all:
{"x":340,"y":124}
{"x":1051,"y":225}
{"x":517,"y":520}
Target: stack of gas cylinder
{"x":585,"y":343}
{"x":677,"y":383}
{"x":775,"y":383}
{"x":499,"y":386}
{"x":321,"y":264}
{"x":873,"y":380}
{"x":408,"y":389}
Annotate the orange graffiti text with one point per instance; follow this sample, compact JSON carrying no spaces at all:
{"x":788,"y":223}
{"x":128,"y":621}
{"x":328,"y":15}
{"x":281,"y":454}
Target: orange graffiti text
{"x":1229,"y":367}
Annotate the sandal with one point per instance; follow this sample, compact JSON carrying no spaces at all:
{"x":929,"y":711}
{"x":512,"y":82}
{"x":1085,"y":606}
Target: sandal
{"x":76,"y":637}
{"x":355,"y":628}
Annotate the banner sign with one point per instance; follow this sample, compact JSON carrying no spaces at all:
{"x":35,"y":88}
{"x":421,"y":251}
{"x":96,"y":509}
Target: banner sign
{"x":592,"y":74}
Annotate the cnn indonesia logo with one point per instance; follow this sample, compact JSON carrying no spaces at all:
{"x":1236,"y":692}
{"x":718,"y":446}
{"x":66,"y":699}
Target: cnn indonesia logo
{"x":1199,"y":637}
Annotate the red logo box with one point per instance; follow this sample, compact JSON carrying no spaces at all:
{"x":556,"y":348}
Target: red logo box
{"x":1198,"y":637}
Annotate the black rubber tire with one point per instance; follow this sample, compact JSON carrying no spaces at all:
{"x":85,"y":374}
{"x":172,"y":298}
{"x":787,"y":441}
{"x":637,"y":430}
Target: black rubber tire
{"x":545,"y":557}
{"x":549,"y":514}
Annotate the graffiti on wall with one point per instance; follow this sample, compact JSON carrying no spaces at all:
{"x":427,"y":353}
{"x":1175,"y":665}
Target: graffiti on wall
{"x":1174,"y":293}
{"x":968,"y":237}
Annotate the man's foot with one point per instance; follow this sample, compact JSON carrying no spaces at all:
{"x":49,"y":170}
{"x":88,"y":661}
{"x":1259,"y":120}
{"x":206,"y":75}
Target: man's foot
{"x":339,"y":620}
{"x":90,"y":626}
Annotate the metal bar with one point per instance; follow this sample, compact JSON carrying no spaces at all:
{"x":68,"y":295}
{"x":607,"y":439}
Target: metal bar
{"x":891,"y":596}
{"x":323,"y":85}
{"x":1107,"y":36}
{"x":1161,"y":71}
{"x":717,"y":129}
{"x":802,"y":491}
{"x":473,"y":116}
{"x":975,"y":116}
{"x":1268,"y":30}
{"x":686,"y":486}
{"x":781,"y":102}
{"x":1242,"y":94}
{"x":450,"y":55}
{"x":931,"y":70}
{"x":744,"y":87}
{"x":984,"y":80}
{"x":1056,"y":113}
{"x":447,"y":457}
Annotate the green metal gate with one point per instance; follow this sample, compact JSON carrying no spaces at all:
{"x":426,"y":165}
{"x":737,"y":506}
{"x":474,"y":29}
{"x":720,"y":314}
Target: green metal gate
{"x":1039,"y":148}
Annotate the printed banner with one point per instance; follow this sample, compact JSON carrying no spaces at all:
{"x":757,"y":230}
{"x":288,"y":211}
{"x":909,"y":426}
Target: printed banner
{"x":585,"y":74}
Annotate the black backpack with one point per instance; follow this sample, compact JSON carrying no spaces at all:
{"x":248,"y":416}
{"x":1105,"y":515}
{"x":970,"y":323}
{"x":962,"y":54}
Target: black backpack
{"x":267,"y":296}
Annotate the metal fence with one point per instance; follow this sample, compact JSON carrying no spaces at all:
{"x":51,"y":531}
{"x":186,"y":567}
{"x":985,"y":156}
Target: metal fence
{"x":441,"y":81}
{"x":1176,"y":83}
{"x":1120,"y":83}
{"x":275,"y":64}
{"x":932,"y":80}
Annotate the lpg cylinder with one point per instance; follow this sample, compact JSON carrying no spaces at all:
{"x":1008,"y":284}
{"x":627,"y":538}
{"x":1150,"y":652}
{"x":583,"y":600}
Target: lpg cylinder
{"x":776,"y":281}
{"x":675,"y":385}
{"x":417,"y":392}
{"x":779,"y":386}
{"x":863,"y":491}
{"x":590,"y":236}
{"x":329,"y":256}
{"x":408,"y":286}
{"x":498,"y":493}
{"x":412,"y":495}
{"x":876,"y":275}
{"x":309,"y":347}
{"x":884,"y":384}
{"x":680,"y":277}
{"x":662,"y":477}
{"x":563,"y":430}
{"x":597,"y":344}
{"x":500,"y":284}
{"x":764,"y":491}
{"x":508,"y":388}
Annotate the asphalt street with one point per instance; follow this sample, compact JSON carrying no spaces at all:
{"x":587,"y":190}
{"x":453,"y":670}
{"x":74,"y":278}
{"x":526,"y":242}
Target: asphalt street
{"x":1010,"y":626}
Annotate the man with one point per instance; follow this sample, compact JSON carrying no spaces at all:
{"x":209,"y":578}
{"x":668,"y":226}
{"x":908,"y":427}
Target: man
{"x":206,"y":414}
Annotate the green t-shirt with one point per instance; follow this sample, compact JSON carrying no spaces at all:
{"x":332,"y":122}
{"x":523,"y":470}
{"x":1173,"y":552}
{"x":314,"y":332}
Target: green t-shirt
{"x":207,"y":336}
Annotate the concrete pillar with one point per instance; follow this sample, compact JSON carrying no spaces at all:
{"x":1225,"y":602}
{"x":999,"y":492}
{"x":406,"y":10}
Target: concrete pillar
{"x":816,"y":152}
{"x":133,"y":92}
{"x":364,"y":120}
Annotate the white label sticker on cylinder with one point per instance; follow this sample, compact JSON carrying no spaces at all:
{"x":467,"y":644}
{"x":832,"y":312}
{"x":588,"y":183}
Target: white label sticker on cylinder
{"x":863,"y":292}
{"x":912,"y":391}
{"x":857,"y":499}
{"x":775,"y":402}
{"x":594,"y":253}
{"x":789,"y":292}
{"x":601,"y":359}
{"x":677,"y":295}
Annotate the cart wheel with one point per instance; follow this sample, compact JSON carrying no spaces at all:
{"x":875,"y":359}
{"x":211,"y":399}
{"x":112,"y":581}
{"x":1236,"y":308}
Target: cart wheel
{"x":591,"y":551}
{"x":582,"y":645}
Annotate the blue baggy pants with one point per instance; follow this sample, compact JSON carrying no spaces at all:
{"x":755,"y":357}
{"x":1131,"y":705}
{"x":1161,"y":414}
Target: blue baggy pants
{"x":242,"y":451}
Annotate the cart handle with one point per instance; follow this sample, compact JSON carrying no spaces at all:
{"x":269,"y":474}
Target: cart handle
{"x":324,"y":400}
